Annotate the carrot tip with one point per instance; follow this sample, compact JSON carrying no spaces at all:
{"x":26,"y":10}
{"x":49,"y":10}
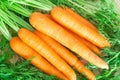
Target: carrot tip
{"x":105,"y":67}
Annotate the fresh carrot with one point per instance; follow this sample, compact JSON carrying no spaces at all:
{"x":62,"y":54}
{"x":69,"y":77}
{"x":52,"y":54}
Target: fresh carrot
{"x":37,"y":60}
{"x":52,"y":29}
{"x":91,"y":46}
{"x":86,"y":42}
{"x":64,"y":18}
{"x":48,"y":53}
{"x":66,"y":55}
{"x":81,"y":19}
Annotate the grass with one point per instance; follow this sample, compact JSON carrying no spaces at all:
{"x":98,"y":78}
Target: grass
{"x":102,"y":14}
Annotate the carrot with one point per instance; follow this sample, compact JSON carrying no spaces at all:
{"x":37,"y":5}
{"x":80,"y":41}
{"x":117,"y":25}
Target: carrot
{"x":87,"y":43}
{"x":52,"y":29}
{"x":81,"y":19}
{"x":70,"y":22}
{"x":38,"y":61}
{"x":66,"y":55}
{"x":48,"y":53}
{"x":91,"y":46}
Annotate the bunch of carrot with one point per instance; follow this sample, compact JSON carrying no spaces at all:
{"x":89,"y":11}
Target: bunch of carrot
{"x":62,"y":27}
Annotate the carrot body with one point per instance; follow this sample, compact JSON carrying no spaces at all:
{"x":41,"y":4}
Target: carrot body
{"x":87,"y":43}
{"x":38,"y":61}
{"x":66,"y":55}
{"x":49,"y":27}
{"x":81,"y":19}
{"x":70,"y":22}
{"x":42,"y":48}
{"x":91,"y":46}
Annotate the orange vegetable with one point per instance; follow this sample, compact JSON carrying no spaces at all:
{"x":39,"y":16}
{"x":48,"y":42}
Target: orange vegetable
{"x":86,"y":42}
{"x":48,"y":53}
{"x":91,"y":46}
{"x":66,"y":55}
{"x":81,"y":19}
{"x":64,"y":18}
{"x":52,"y":29}
{"x":37,"y":60}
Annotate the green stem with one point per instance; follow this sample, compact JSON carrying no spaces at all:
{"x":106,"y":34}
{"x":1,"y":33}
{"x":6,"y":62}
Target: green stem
{"x":18,"y":9}
{"x":83,"y":8}
{"x":44,"y":5}
{"x":4,"y":30}
{"x":18,"y":20}
{"x":8,"y":21}
{"x":113,"y":57}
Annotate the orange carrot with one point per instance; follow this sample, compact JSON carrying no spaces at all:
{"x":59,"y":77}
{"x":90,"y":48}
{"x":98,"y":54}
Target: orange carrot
{"x":48,"y":53}
{"x":81,"y":19}
{"x":70,"y":22}
{"x":66,"y":55}
{"x":38,"y":61}
{"x":87,"y":43}
{"x":91,"y":46}
{"x":52,"y":29}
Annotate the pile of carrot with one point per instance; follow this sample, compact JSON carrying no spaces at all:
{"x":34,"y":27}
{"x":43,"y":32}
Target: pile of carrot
{"x":47,"y":45}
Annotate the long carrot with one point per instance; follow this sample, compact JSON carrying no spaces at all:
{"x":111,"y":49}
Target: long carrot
{"x":64,"y":18}
{"x":91,"y":46}
{"x":49,"y":27}
{"x":38,"y":61}
{"x":66,"y":55}
{"x":81,"y":19}
{"x":86,"y":42}
{"x":48,"y":53}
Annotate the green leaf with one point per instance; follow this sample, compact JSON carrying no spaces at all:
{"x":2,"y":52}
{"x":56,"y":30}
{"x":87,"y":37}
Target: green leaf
{"x":4,"y":30}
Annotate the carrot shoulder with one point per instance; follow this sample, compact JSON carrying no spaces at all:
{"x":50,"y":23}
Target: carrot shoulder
{"x":37,"y":60}
{"x":66,"y":55}
{"x":52,"y":29}
{"x":81,"y":19}
{"x":70,"y":22}
{"x":48,"y":53}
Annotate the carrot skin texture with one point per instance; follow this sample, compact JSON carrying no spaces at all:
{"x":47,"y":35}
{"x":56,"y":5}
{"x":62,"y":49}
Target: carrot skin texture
{"x":38,"y":61}
{"x":81,"y":19}
{"x":48,"y":53}
{"x":87,"y":43}
{"x":66,"y":55}
{"x":47,"y":26}
{"x":70,"y":22}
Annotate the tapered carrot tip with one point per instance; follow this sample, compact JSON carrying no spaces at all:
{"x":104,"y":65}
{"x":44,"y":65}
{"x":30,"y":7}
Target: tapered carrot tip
{"x":105,"y":67}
